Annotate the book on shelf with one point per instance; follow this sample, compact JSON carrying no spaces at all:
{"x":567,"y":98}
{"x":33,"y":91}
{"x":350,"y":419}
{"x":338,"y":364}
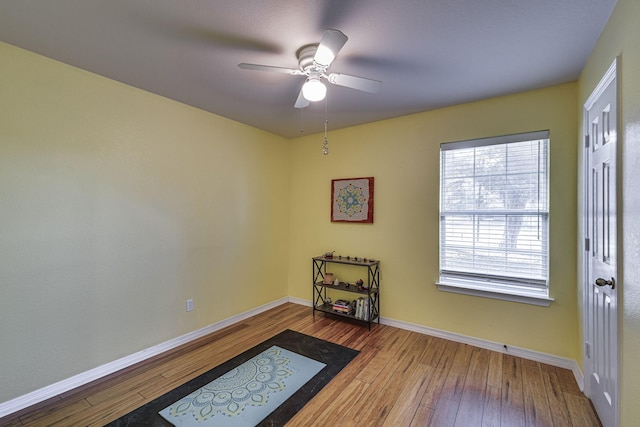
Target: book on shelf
{"x":342,"y":306}
{"x":363,"y":308}
{"x":341,"y":303}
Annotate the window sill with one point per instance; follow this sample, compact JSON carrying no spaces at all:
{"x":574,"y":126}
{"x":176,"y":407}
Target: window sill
{"x":480,"y":290}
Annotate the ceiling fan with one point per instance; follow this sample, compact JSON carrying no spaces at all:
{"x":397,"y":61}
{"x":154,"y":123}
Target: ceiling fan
{"x":313,"y":62}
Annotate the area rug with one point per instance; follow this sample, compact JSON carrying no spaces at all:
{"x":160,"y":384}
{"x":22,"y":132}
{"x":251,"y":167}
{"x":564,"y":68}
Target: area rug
{"x":245,"y":395}
{"x":264,"y":386}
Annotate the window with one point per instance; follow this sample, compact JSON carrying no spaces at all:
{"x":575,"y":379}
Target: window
{"x":494,"y":217}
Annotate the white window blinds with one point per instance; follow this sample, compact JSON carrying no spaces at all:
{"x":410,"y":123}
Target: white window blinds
{"x":494,"y":212}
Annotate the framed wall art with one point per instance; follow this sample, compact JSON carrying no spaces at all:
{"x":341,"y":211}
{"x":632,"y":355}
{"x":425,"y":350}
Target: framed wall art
{"x":352,"y":200}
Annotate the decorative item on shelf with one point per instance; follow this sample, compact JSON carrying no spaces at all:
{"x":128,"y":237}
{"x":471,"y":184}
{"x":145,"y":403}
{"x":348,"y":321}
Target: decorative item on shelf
{"x":328,"y":278}
{"x":329,"y":255}
{"x":347,"y":284}
{"x":336,"y":282}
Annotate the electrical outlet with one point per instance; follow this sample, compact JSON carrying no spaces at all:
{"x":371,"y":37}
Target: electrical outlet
{"x":189,"y":305}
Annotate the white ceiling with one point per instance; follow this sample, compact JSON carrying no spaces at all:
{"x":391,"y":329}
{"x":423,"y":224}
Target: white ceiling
{"x":428,"y":53}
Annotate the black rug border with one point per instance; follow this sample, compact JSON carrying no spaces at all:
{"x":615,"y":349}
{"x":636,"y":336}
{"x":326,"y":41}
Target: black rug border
{"x":306,"y":345}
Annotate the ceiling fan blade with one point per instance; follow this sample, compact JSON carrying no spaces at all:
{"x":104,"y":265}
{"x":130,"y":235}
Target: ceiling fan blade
{"x":330,"y":44}
{"x":354,"y":82}
{"x":301,"y":102}
{"x":270,"y":68}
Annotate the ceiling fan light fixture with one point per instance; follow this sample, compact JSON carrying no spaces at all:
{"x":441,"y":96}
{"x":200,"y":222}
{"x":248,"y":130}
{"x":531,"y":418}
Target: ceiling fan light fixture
{"x":314,"y":90}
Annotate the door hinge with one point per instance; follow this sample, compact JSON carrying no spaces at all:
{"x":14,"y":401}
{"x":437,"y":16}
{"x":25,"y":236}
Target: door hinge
{"x":587,"y":350}
{"x":586,"y":141}
{"x":587,"y":244}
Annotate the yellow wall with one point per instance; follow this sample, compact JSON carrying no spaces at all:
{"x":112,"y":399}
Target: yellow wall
{"x":116,"y":205}
{"x":620,"y":37}
{"x":403,"y":156}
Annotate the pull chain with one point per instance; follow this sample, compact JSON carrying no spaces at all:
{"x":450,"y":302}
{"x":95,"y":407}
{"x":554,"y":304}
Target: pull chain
{"x":302,"y":120}
{"x":325,"y":143}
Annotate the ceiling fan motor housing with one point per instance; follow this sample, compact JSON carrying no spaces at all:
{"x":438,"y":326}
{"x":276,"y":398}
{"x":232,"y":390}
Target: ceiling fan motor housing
{"x":305,"y":56}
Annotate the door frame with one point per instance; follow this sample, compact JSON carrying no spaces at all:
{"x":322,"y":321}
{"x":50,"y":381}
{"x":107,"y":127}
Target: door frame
{"x":614,"y":71}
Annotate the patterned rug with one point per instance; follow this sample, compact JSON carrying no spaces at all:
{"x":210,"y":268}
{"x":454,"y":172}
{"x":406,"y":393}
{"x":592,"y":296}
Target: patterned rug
{"x":245,"y":395}
{"x":265,"y":385}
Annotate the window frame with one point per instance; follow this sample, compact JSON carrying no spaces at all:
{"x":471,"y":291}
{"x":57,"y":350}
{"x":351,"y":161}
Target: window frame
{"x":504,"y":287}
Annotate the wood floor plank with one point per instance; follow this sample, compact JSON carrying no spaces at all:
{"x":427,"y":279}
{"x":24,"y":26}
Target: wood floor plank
{"x":127,"y":386}
{"x":581,"y":411}
{"x":555,"y":395}
{"x":473,"y":399}
{"x":430,"y":399}
{"x":512,"y":407}
{"x":568,"y":381}
{"x":391,"y":380}
{"x":494,"y":376}
{"x":454,"y":384}
{"x":369,"y":373}
{"x":434,"y":349}
{"x":336,"y":411}
{"x":400,"y":378}
{"x":157,"y":386}
{"x":56,"y":413}
{"x":106,"y":412}
{"x":536,"y":404}
{"x":492,"y":407}
{"x":444,"y":414}
{"x":448,"y":404}
{"x":422,"y":417}
{"x":335,"y":390}
{"x":407,"y":404}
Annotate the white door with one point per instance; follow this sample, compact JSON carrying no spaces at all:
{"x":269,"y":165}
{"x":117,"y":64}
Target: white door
{"x":601,"y":311}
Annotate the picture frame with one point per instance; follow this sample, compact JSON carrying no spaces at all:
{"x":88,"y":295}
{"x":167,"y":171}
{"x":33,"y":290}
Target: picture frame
{"x":352,"y":200}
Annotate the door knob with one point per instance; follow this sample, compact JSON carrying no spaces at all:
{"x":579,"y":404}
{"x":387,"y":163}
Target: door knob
{"x":605,"y":282}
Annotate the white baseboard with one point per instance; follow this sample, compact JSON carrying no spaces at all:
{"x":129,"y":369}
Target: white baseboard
{"x":536,"y":356}
{"x":83,"y":378}
{"x":40,"y":395}
{"x":300,"y":301}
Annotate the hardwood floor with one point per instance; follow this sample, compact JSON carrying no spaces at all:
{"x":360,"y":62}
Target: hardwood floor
{"x":400,"y":378}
